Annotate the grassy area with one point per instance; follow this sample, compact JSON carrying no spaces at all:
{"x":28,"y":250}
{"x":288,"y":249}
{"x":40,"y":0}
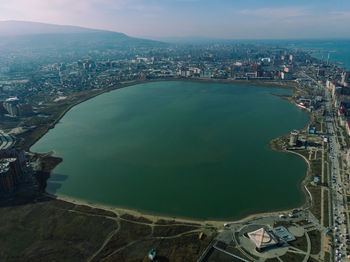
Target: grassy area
{"x":237,"y":252}
{"x":325,"y":168}
{"x":185,"y":248}
{"x":292,"y":257}
{"x":279,"y":143}
{"x":136,"y":219}
{"x":304,"y":152}
{"x":317,"y":124}
{"x":282,"y":223}
{"x":303,"y":223}
{"x":48,"y":231}
{"x":94,"y":211}
{"x":341,"y":166}
{"x":315,"y":238}
{"x":300,"y":243}
{"x":316,"y":120}
{"x":312,"y":260}
{"x":346,"y":137}
{"x":127,"y":233}
{"x":272,"y":260}
{"x":316,"y":196}
{"x":220,"y":256}
{"x":327,"y":257}
{"x":325,"y":209}
{"x":54,"y":230}
{"x":316,"y":167}
{"x":167,"y":231}
{"x":216,"y":256}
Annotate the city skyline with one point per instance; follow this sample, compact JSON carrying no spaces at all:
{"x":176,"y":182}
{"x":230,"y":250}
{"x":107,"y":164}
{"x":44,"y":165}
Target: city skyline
{"x":186,"y":18}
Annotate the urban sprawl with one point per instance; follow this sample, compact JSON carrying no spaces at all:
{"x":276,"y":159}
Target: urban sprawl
{"x":36,"y":91}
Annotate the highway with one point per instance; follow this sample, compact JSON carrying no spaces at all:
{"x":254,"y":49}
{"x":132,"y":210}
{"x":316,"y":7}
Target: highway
{"x":337,"y":186}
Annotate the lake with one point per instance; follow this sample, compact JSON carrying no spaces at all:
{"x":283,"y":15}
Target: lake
{"x":186,"y":149}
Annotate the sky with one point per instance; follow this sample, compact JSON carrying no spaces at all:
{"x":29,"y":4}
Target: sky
{"x":244,"y":19}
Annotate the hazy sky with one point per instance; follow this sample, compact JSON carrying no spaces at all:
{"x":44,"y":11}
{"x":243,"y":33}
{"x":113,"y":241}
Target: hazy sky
{"x":208,"y":18}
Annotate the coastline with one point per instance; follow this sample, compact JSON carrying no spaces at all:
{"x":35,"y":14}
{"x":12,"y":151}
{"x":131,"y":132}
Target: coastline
{"x":155,"y":217}
{"x":127,"y":211}
{"x":159,"y":217}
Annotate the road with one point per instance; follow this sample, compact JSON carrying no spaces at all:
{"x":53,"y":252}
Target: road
{"x":337,"y":185}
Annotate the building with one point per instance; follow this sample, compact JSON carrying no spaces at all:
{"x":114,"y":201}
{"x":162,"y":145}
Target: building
{"x":286,"y":76}
{"x":10,"y":174}
{"x":6,"y":178}
{"x":321,"y":72}
{"x":312,"y":130}
{"x":11,"y":107}
{"x":266,"y":60}
{"x":293,"y":138}
{"x":345,"y":78}
{"x":347,"y":126}
{"x":262,"y":239}
{"x":15,"y":108}
{"x":205,"y":73}
{"x":24,"y":109}
{"x":12,"y":163}
{"x":348,"y":158}
{"x":282,"y":234}
{"x":287,"y":69}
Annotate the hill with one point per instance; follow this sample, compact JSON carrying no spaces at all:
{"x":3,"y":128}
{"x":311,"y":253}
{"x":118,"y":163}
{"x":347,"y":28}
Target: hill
{"x":31,"y":39}
{"x":17,"y":28}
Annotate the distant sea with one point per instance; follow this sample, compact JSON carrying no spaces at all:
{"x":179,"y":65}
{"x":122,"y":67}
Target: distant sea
{"x":339,"y":50}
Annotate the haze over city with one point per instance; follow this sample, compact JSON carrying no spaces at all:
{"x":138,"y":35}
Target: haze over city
{"x":175,"y":130}
{"x":251,"y":19}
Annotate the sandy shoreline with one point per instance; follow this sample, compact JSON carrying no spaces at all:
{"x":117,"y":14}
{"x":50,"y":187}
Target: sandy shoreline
{"x":150,"y":216}
{"x":154,"y":218}
{"x":121,"y":211}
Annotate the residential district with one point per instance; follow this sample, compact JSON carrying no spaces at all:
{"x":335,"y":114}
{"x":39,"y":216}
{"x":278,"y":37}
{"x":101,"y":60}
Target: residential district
{"x":34,"y":93}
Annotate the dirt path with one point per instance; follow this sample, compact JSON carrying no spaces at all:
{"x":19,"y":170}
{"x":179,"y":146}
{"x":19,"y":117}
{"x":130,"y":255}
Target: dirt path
{"x":110,"y":235}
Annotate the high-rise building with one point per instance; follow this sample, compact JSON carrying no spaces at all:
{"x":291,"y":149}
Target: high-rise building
{"x":15,"y":108}
{"x":206,"y":73}
{"x":345,"y":78}
{"x":321,"y":72}
{"x":12,"y":165}
{"x":11,"y":108}
{"x":293,"y":138}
